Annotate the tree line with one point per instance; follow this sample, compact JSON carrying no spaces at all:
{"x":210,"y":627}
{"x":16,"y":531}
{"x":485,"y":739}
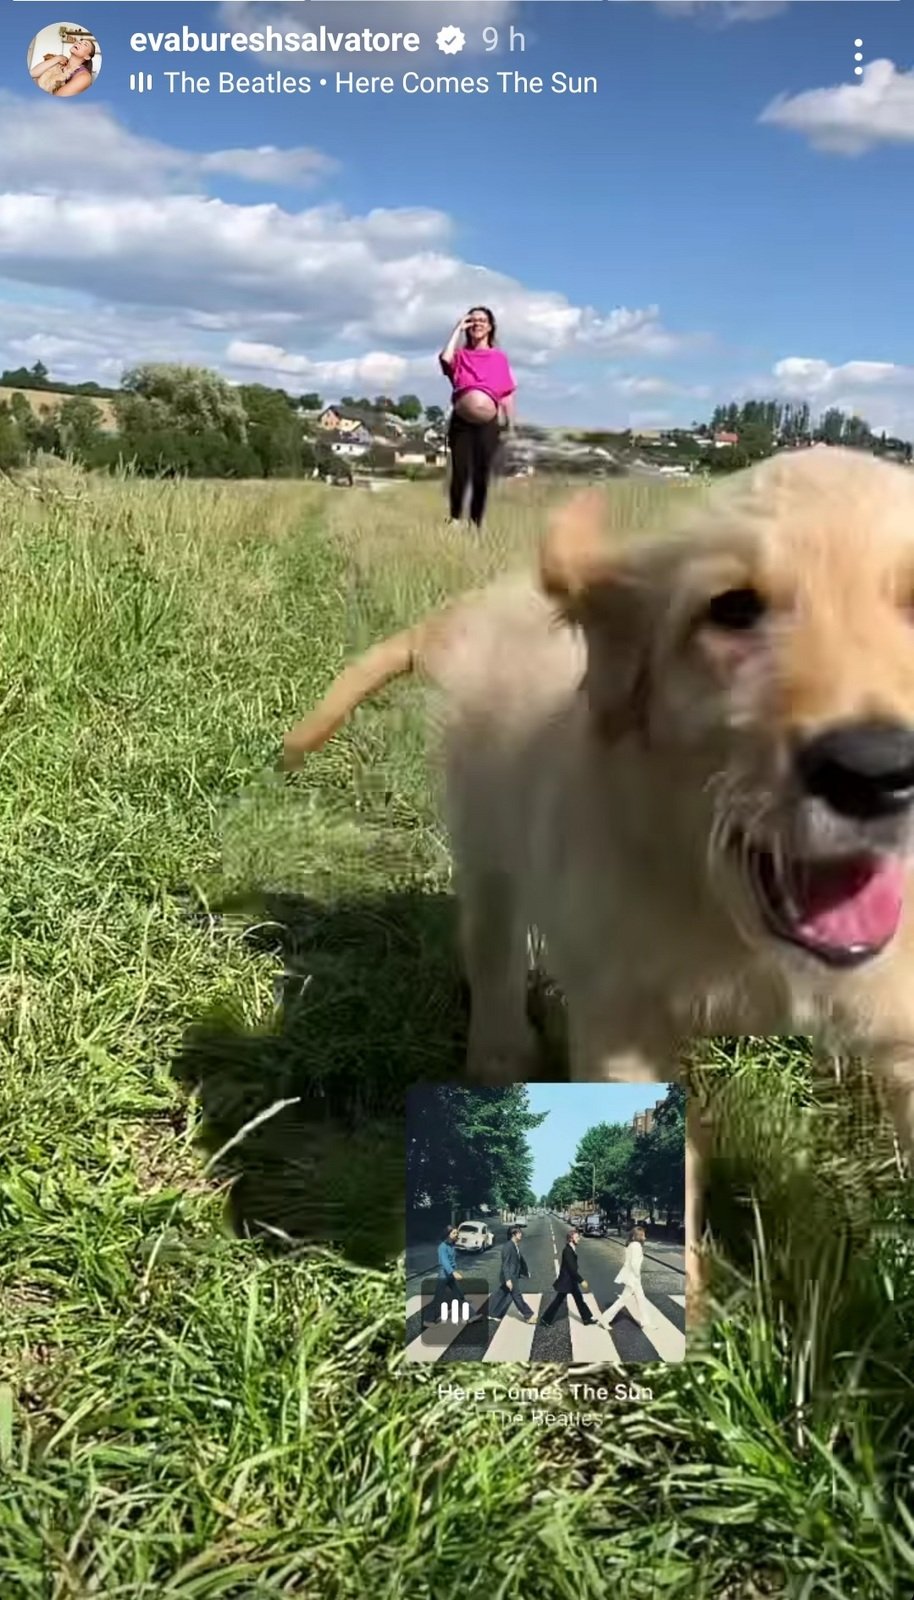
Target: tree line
{"x":177,"y":421}
{"x":762,"y":424}
{"x":620,"y":1169}
{"x":469,"y":1149}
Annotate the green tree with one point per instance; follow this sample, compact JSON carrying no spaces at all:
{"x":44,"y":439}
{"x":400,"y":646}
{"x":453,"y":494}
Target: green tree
{"x":665,"y":1153}
{"x":192,"y":399}
{"x":563,"y":1192}
{"x":21,"y":411}
{"x":25,"y":378}
{"x":732,"y":458}
{"x":273,"y":431}
{"x":78,"y":427}
{"x":409,"y":407}
{"x":831,"y":425}
{"x":856,"y":434}
{"x":756,"y":438}
{"x":470,"y":1148}
{"x":12,"y":448}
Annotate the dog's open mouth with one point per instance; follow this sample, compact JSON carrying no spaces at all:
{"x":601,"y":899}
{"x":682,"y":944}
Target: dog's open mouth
{"x":843,"y":910}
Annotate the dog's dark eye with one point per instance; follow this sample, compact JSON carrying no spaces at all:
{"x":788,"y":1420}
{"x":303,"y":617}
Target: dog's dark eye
{"x":736,"y":610}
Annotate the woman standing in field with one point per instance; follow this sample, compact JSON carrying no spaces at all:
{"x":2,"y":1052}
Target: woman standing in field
{"x":482,"y":402}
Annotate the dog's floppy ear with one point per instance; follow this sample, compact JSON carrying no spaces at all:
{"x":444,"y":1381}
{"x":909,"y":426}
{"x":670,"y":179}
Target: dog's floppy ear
{"x":603,"y":588}
{"x":575,"y":556}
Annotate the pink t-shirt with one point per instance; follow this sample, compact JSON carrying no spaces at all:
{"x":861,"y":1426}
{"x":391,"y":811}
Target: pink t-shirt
{"x":486,"y":369}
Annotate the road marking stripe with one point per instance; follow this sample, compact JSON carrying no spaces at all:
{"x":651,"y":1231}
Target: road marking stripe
{"x":679,"y":1299}
{"x":513,"y":1337}
{"x":666,"y":1338}
{"x":588,"y":1343}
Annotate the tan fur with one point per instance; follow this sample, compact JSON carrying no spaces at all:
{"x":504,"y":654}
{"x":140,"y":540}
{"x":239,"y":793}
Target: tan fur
{"x":596,"y":735}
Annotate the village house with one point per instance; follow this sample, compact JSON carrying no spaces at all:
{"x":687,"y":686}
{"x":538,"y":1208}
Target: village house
{"x":349,"y":419}
{"x":418,"y":453}
{"x":352,"y":445}
{"x":345,"y":420}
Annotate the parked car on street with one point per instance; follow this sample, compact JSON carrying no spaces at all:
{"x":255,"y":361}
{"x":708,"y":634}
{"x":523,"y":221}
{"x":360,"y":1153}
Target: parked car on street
{"x":520,"y":1221}
{"x":594,"y":1226}
{"x":474,"y":1236}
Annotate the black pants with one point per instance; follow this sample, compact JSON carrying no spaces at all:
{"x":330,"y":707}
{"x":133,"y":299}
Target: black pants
{"x":473,"y":449}
{"x":549,"y":1315}
{"x":499,"y":1303}
{"x":448,"y":1289}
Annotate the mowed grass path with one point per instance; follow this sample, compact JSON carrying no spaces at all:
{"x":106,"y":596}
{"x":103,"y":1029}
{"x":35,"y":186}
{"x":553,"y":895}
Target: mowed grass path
{"x":215,"y":984}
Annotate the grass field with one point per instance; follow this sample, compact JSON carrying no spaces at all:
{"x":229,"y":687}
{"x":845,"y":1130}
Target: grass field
{"x":215,"y":984}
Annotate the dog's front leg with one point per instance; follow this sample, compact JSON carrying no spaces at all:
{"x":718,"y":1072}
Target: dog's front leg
{"x":502,"y":1046}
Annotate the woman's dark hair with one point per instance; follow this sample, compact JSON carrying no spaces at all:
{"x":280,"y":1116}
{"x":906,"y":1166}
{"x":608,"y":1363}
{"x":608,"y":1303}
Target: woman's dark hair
{"x":493,"y":330}
{"x":451,"y":1228}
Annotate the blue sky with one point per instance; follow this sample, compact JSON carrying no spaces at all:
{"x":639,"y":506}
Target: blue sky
{"x":573,"y":1108}
{"x":728,"y":214}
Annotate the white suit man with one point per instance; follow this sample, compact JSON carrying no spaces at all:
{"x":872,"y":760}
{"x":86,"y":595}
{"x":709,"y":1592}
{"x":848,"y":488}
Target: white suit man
{"x":632,"y":1299}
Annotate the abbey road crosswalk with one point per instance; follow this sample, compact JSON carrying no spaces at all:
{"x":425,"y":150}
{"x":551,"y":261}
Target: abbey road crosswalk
{"x":567,"y":1340}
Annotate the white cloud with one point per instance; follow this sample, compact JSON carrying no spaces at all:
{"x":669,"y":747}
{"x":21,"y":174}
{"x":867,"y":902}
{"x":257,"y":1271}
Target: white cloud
{"x":267,"y":164}
{"x":377,"y":371}
{"x":112,"y":160}
{"x":851,"y":118}
{"x":99,"y":340}
{"x":138,"y":265}
{"x":381,"y":279}
{"x":660,"y":386}
{"x":809,"y":378}
{"x":880,"y":391}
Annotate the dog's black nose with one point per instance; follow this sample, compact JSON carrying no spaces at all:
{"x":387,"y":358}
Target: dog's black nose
{"x":860,"y":769}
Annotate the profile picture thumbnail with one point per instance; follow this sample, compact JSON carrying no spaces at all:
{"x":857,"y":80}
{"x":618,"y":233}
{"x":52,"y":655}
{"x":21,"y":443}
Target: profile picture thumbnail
{"x":64,"y":60}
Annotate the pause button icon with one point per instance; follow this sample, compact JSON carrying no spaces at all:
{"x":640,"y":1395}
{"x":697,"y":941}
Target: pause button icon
{"x":140,"y":82}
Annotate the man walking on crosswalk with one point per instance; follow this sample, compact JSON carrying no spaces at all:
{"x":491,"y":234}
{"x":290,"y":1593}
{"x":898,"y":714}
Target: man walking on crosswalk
{"x":632,"y":1299}
{"x":569,"y":1282}
{"x":513,"y":1268}
{"x":448,"y":1288}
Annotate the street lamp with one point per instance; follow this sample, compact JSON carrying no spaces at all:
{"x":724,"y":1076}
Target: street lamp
{"x":593,"y":1177}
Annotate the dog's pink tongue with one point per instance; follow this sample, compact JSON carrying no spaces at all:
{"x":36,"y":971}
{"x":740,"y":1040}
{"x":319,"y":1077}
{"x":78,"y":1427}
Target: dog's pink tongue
{"x":850,"y":903}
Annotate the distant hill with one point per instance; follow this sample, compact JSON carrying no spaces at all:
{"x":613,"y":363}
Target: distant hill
{"x":42,"y":401}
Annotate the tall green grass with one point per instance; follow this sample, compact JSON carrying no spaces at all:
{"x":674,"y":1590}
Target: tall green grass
{"x":215,"y":985}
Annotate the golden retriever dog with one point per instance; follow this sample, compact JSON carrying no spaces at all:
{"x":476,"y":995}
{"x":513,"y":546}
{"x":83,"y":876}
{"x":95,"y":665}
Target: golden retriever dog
{"x":688,"y":762}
